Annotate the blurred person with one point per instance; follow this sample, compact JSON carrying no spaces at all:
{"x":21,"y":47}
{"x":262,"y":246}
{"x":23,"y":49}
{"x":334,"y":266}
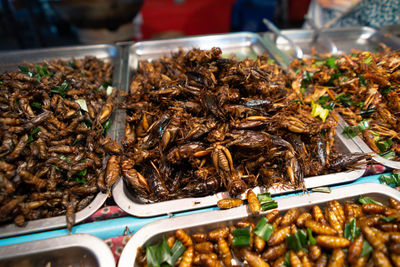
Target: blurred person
{"x":374,"y":13}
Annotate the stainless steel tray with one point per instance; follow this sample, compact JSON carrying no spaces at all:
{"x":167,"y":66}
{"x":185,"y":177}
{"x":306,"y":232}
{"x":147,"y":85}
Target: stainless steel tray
{"x":134,"y":206}
{"x":70,"y":250}
{"x":9,"y":61}
{"x":205,"y":221}
{"x":335,"y":41}
{"x":366,"y":149}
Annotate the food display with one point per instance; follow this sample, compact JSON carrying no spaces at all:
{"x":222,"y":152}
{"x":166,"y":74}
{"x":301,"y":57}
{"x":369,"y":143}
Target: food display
{"x":364,"y":88}
{"x":53,"y":152}
{"x":358,"y":233}
{"x":198,"y":123}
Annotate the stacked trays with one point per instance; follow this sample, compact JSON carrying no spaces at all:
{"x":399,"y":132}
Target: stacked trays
{"x":126,"y":56}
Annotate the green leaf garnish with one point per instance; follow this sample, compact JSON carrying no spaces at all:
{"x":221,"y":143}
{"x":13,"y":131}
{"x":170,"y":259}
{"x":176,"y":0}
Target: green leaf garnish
{"x":31,"y":136}
{"x":384,"y":145}
{"x":269,"y":205}
{"x":361,"y":80}
{"x":344,"y":99}
{"x":297,"y":241}
{"x":311,"y":239}
{"x":388,"y":155}
{"x":264,"y":197}
{"x":324,"y":99}
{"x":368,"y":60}
{"x":176,"y":251}
{"x":366,"y":249}
{"x":350,"y":131}
{"x":106,"y":127}
{"x":388,"y":219}
{"x":263,"y":229}
{"x":64,"y":158}
{"x":322,"y":189}
{"x":62,"y":89}
{"x":36,"y":105}
{"x":351,"y":231}
{"x":331,"y":62}
{"x":368,"y":200}
{"x":390,"y":179}
{"x":287,"y":263}
{"x":241,"y":237}
{"x":386,"y":90}
{"x":26,"y":70}
{"x":368,"y":112}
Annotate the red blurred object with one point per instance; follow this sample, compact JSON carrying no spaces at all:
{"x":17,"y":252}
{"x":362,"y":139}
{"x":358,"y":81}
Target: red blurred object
{"x":297,"y":10}
{"x":189,"y":17}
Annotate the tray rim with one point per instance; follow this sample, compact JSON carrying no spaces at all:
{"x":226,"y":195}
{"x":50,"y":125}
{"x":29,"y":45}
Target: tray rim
{"x":86,"y":241}
{"x":128,"y":255}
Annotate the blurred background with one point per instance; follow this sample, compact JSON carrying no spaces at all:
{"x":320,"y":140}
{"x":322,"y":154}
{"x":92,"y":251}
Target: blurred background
{"x":44,"y":23}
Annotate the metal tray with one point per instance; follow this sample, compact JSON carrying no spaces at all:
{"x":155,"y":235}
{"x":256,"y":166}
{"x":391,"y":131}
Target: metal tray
{"x":205,"y":221}
{"x":335,"y":41}
{"x":242,"y":45}
{"x":137,"y":207}
{"x":366,"y":149}
{"x":70,"y":250}
{"x":9,"y":61}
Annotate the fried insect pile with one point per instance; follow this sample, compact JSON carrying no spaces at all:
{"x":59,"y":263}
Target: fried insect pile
{"x":364,"y":88}
{"x":52,"y":155}
{"x":198,"y":123}
{"x":336,"y":235}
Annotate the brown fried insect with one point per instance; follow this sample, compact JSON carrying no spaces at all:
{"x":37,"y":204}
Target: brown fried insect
{"x":204,"y":247}
{"x":322,"y":260}
{"x":199,"y":237}
{"x":259,"y":244}
{"x":395,"y":259}
{"x":319,"y":228}
{"x":380,"y":259}
{"x":314,"y":252}
{"x":374,"y":238}
{"x":279,"y":236}
{"x":254,"y":204}
{"x":271,"y":216}
{"x":280,"y":262}
{"x":228,"y":203}
{"x":209,"y":261}
{"x":290,"y":216}
{"x":112,"y":171}
{"x":355,"y":249}
{"x":306,"y":262}
{"x":274,"y":252}
{"x":294,"y":259}
{"x":184,"y":238}
{"x":372,"y":208}
{"x":187,"y":257}
{"x":337,"y":258}
{"x":254,"y":260}
{"x":197,"y":260}
{"x":218,"y":233}
{"x":300,"y":221}
{"x":394,"y":203}
{"x":224,"y":252}
{"x":332,"y":242}
{"x":318,"y":215}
